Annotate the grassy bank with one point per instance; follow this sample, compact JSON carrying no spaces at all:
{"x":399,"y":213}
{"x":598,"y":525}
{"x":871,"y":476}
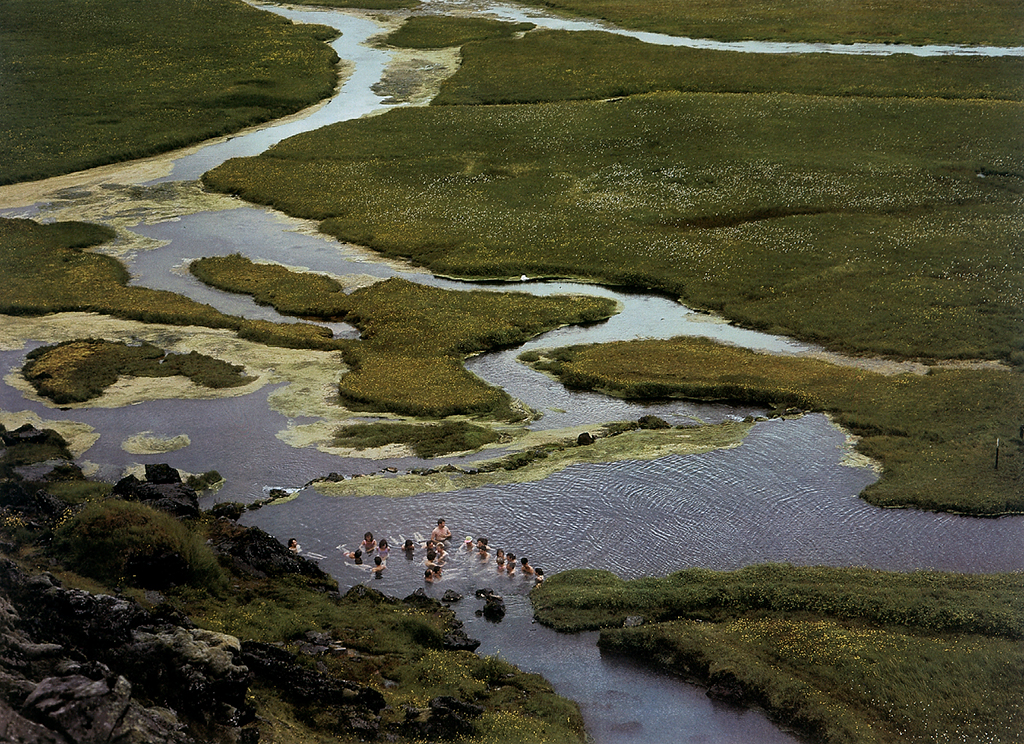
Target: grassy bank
{"x":425,"y":440}
{"x":840,"y":655}
{"x":895,"y":234}
{"x":999,"y":22}
{"x":414,"y":337}
{"x":562,"y":65}
{"x":935,"y":434}
{"x":104,"y":81}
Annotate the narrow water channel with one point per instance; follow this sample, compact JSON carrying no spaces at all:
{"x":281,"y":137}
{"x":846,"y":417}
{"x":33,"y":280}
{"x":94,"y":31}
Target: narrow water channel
{"x":786,"y":494}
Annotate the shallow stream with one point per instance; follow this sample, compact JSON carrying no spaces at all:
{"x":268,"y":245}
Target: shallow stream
{"x":787,"y":493}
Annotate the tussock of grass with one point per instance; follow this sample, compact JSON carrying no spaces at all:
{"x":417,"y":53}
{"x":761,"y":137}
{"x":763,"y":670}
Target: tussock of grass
{"x":426,"y":440}
{"x":935,"y":434}
{"x":103,"y":81}
{"x":999,"y":22}
{"x":106,"y":539}
{"x":893,"y":234}
{"x":289,"y":292}
{"x":432,"y":32}
{"x":842,"y":655}
{"x":77,"y":371}
{"x":563,"y":65}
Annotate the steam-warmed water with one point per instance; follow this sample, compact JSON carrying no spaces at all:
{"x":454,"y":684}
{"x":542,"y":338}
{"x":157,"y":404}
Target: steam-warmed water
{"x":783,"y":495}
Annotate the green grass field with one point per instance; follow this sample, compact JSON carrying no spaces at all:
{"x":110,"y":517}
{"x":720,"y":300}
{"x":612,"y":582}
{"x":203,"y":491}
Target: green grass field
{"x":992,"y":22}
{"x":898,"y":233}
{"x":841,"y":655}
{"x":562,"y":65}
{"x":102,"y":81}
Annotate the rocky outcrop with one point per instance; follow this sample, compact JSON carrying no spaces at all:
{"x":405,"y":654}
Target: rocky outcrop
{"x":74,"y":667}
{"x":162,"y":490}
{"x":258,"y":554}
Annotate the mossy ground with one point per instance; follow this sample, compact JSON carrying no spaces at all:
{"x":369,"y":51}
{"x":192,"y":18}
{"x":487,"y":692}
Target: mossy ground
{"x":841,"y":655}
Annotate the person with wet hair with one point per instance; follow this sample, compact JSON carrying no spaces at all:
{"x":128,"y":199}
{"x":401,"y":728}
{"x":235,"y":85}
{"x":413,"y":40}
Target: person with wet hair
{"x":441,"y":532}
{"x":526,"y":567}
{"x":369,"y":544}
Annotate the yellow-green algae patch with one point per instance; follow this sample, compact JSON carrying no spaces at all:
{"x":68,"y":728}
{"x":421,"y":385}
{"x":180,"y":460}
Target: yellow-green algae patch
{"x":145,"y":443}
{"x":265,"y":365}
{"x":642,"y":444}
{"x":78,"y":436}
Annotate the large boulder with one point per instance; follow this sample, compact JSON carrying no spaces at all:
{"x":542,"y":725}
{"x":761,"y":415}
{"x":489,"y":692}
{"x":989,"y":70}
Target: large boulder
{"x":166,"y":493}
{"x":258,"y":554}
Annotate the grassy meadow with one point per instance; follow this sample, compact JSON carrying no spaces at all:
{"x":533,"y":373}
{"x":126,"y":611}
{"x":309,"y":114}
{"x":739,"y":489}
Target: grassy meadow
{"x":414,"y":337}
{"x":48,"y":269}
{"x":549,"y":65}
{"x":102,"y":81}
{"x":898,"y":233}
{"x":992,"y":22}
{"x":935,"y":435}
{"x":840,"y":655}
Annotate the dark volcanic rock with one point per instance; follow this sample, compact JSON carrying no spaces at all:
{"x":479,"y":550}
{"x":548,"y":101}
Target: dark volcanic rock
{"x":72,"y":665}
{"x":174,"y":498}
{"x":256,"y":553}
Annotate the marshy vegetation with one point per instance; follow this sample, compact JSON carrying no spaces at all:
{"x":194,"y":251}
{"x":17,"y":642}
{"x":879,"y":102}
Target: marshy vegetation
{"x":935,"y":435}
{"x":432,"y":32}
{"x":414,"y":337}
{"x":426,"y":440}
{"x":548,"y":65}
{"x":47,"y":269}
{"x":841,"y":655}
{"x":104,"y":81}
{"x":992,"y":22}
{"x":895,"y":234}
{"x":78,"y":371}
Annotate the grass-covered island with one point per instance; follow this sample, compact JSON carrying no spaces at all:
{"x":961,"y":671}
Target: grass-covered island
{"x":840,"y":655}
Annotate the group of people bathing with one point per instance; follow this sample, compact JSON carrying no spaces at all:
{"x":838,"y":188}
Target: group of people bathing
{"x":437,"y":554}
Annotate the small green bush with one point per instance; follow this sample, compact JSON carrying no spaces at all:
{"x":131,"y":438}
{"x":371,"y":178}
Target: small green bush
{"x":107,"y":540}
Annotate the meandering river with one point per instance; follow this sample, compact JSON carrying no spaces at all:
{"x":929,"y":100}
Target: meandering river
{"x":787,"y":493}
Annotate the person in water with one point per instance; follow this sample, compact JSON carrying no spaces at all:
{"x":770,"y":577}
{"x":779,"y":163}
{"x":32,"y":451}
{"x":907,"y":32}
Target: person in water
{"x":293,"y":545}
{"x":526,"y":567}
{"x":499,"y":559}
{"x":378,"y":565}
{"x":538,"y":576}
{"x":441,"y":532}
{"x":383,"y":549}
{"x":356,"y":555}
{"x":409,"y":547}
{"x":428,"y":576}
{"x":369,"y":544}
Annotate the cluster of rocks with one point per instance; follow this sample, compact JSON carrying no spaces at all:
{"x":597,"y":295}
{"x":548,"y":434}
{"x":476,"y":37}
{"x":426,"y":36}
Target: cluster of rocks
{"x":74,"y":667}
